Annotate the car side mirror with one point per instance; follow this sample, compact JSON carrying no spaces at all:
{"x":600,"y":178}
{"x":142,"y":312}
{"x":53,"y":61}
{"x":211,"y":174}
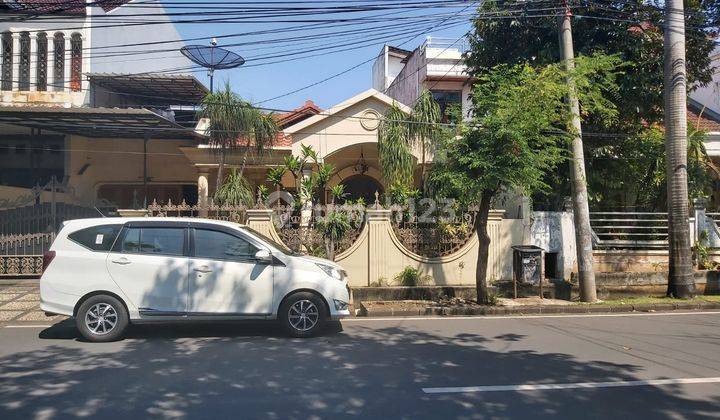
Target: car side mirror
{"x":263,"y":256}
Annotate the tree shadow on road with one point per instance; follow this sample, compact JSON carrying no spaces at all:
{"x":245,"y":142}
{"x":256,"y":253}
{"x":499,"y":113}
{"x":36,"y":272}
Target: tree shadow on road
{"x":370,"y":373}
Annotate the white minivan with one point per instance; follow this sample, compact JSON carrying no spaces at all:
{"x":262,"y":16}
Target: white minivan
{"x":107,"y":273}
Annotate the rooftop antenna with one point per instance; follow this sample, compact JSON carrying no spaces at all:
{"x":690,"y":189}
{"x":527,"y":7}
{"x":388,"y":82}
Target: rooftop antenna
{"x":212,"y":58}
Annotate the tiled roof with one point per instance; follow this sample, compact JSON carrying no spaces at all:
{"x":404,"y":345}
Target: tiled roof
{"x":308,"y":109}
{"x":286,"y":119}
{"x":71,"y":7}
{"x":702,"y":118}
{"x":281,"y":140}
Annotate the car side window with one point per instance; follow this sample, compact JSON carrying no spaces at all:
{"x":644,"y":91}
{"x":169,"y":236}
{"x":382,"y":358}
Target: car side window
{"x":215,"y":245}
{"x":153,"y":240}
{"x":97,"y":238}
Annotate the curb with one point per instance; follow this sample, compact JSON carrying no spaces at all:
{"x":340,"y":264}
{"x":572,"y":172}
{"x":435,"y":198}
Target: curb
{"x":537,"y":310}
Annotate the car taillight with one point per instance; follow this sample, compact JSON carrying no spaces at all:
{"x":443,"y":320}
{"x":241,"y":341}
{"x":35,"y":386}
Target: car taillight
{"x":47,"y":259}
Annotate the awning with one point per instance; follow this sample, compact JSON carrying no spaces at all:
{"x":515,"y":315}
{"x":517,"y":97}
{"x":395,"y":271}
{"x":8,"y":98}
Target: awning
{"x":97,"y":122}
{"x":166,"y":88}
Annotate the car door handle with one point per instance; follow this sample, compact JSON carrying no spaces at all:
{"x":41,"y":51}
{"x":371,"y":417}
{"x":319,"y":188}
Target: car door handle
{"x":203,"y":269}
{"x":121,"y":261}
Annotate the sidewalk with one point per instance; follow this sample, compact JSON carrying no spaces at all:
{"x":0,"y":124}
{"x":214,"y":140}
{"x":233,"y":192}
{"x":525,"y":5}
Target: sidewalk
{"x":20,"y":301}
{"x":531,"y":306}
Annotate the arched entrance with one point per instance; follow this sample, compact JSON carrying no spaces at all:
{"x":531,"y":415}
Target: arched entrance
{"x":361,"y":186}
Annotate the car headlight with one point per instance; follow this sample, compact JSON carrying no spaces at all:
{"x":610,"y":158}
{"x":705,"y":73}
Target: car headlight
{"x":331,"y":271}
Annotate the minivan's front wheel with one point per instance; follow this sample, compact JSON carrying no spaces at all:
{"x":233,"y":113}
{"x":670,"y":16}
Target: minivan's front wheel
{"x":303,"y":314}
{"x":101,"y":318}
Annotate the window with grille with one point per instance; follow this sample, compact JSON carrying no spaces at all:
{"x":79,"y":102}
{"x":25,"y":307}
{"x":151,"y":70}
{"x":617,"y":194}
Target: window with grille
{"x":24,"y":83}
{"x":75,"y":62}
{"x":59,"y":61}
{"x":7,"y":61}
{"x":42,"y":52}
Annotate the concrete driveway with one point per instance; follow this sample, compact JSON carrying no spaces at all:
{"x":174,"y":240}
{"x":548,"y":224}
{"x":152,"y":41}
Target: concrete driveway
{"x":634,"y":366}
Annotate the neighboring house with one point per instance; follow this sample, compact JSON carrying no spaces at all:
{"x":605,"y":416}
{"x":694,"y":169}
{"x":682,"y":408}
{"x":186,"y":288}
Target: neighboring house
{"x":704,"y":114}
{"x":437,"y":65}
{"x":80,"y":104}
{"x":709,"y":95}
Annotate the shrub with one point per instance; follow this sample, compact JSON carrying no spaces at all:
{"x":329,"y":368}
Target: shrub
{"x":412,"y":277}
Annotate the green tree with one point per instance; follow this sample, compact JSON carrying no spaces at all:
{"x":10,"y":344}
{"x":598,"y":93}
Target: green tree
{"x":632,"y":29}
{"x":517,"y":135}
{"x":235,"y":124}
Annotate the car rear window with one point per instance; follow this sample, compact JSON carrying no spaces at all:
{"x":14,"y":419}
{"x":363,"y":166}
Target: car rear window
{"x":97,"y":238}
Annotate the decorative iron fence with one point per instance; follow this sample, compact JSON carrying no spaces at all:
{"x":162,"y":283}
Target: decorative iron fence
{"x":229,"y":213}
{"x":629,"y":230}
{"x":21,"y":255}
{"x":42,"y":210}
{"x":42,"y":217}
{"x":432,"y":235}
{"x":302,"y":230}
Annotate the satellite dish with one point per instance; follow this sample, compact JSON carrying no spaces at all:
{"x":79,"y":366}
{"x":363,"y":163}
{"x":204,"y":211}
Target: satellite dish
{"x":212,"y":58}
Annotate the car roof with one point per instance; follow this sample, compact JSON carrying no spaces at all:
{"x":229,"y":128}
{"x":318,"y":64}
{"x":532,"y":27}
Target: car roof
{"x":82,"y":223}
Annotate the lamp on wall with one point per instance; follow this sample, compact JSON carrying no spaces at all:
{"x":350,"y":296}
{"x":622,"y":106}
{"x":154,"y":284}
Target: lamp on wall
{"x":361,"y":166}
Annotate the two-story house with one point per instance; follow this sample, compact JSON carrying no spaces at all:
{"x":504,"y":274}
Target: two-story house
{"x":437,"y":65}
{"x":99,"y":106}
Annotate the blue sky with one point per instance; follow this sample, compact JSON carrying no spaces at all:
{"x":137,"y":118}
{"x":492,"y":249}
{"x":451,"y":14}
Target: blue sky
{"x":259,"y":82}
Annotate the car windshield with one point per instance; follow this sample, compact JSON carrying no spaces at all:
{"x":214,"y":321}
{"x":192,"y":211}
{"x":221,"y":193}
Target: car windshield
{"x":280,"y":247}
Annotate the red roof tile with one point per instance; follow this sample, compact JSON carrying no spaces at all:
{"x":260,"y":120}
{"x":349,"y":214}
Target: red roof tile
{"x":702,"y":118}
{"x":72,"y":7}
{"x":287,"y":119}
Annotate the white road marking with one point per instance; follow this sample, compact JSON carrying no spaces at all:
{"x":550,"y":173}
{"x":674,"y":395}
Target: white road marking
{"x":491,"y":317}
{"x":542,"y":387}
{"x":28,"y":326}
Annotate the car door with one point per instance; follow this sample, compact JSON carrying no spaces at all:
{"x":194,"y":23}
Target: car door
{"x":149,"y":264}
{"x":225,"y":276}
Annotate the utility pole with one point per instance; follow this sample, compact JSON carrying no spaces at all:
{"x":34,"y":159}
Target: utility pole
{"x":680,"y":276}
{"x":581,"y":209}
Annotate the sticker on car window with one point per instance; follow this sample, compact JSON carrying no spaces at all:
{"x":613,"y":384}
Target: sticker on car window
{"x":99,"y":239}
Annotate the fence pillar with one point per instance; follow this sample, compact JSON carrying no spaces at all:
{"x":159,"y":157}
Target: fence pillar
{"x":378,"y":221}
{"x":527,"y":218}
{"x":203,"y":192}
{"x":700,"y":219}
{"x":261,"y":221}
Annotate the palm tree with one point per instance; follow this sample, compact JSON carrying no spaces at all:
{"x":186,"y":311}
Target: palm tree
{"x":235,"y":191}
{"x":395,"y":157}
{"x":681,"y":283}
{"x":399,"y":132}
{"x":235,"y":124}
{"x":424,"y":127}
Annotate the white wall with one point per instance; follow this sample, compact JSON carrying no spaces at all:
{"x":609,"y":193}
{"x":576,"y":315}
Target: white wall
{"x":154,"y":62}
{"x":99,"y":43}
{"x":386,"y":68}
{"x":710,"y":94}
{"x":70,"y":26}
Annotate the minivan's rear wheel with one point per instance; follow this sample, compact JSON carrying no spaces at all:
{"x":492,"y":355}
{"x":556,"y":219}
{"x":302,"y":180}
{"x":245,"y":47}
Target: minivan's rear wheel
{"x":303,"y":314}
{"x":101,"y":318}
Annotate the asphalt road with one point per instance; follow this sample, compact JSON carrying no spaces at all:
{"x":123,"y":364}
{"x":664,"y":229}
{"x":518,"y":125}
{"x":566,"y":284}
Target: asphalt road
{"x":384,"y":369}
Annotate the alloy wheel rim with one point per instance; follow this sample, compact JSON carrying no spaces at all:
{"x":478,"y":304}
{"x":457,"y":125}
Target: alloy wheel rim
{"x":303,"y":315}
{"x":101,"y":318}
